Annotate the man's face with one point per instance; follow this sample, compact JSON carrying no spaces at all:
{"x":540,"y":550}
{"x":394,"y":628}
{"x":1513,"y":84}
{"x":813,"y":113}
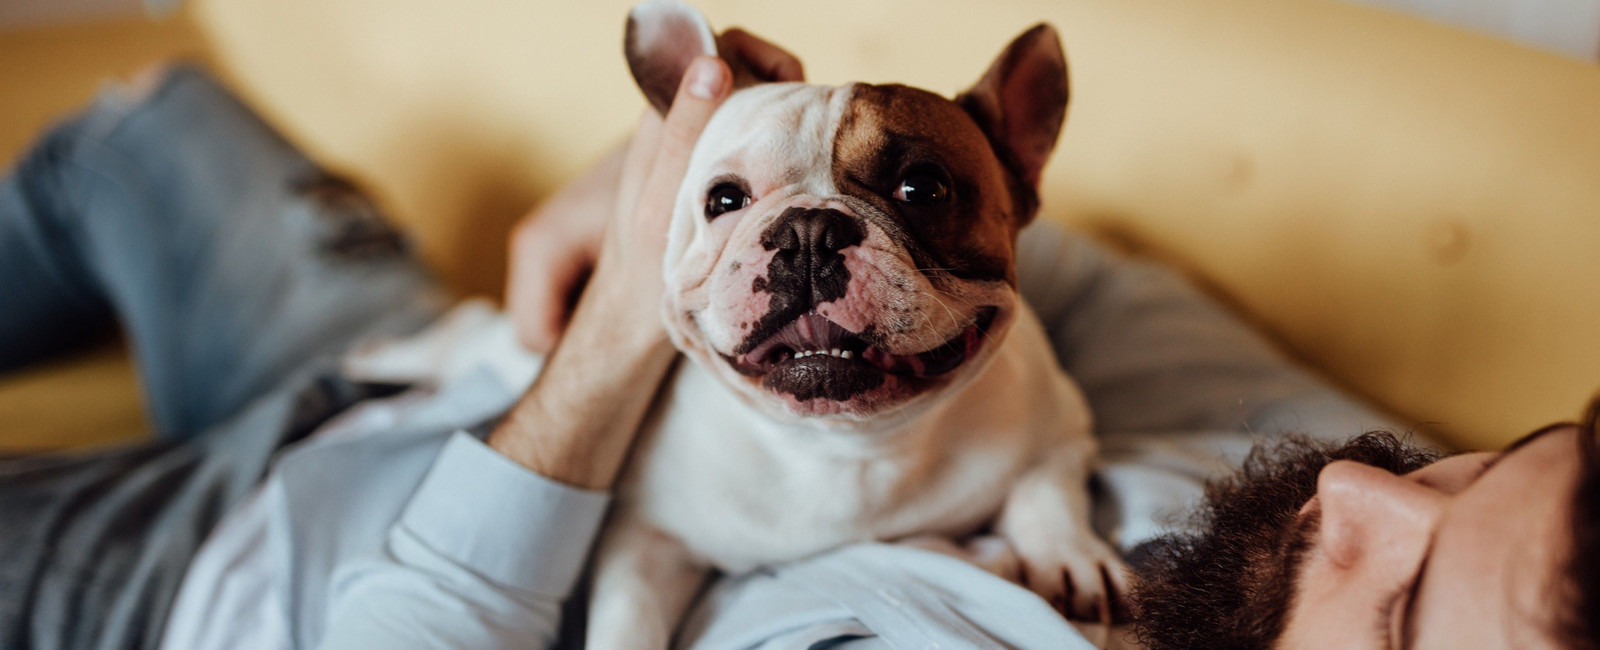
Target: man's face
{"x":1465,"y":552}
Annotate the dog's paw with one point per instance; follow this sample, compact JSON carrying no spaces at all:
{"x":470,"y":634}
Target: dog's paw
{"x":1082,"y":577}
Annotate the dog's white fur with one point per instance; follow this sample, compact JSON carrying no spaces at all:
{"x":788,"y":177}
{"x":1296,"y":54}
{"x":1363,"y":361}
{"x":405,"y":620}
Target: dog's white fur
{"x":724,"y":478}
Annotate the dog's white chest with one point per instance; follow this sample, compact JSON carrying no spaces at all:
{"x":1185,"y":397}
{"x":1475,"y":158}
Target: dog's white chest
{"x":740,"y":490}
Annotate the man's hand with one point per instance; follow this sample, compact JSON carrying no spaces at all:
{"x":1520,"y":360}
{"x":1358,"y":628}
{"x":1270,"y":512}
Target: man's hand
{"x":554,"y":248}
{"x":553,"y":252}
{"x":576,"y":423}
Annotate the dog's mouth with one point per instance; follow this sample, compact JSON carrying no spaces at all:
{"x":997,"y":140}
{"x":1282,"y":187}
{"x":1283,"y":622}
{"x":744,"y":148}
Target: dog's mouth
{"x":814,"y":357}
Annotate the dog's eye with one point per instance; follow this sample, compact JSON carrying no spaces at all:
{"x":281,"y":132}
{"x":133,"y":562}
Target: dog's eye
{"x":923,"y":186}
{"x":723,"y":198}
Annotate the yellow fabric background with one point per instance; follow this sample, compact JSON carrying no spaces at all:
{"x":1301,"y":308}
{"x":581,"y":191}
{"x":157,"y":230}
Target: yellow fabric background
{"x":1412,"y":209}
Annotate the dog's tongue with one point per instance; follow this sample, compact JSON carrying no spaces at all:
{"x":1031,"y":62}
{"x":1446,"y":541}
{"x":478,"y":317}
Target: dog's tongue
{"x":808,"y":332}
{"x":813,"y":332}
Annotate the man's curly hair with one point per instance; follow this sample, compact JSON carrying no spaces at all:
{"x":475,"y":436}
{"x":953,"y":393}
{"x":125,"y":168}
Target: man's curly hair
{"x":1578,"y":624}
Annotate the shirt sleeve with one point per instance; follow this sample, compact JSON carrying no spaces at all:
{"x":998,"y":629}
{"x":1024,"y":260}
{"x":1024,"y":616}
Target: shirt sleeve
{"x":1180,"y":387}
{"x":483,"y":556}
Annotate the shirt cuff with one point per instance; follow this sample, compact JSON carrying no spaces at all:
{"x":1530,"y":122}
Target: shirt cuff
{"x":502,"y":521}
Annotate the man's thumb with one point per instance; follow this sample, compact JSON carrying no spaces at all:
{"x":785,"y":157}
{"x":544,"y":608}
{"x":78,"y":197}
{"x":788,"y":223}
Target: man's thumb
{"x":704,"y":86}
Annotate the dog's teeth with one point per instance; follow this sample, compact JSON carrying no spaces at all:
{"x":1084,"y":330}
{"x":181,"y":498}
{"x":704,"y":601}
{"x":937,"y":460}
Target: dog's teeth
{"x":832,"y":352}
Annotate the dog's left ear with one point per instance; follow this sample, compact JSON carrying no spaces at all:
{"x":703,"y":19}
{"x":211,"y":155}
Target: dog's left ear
{"x":1021,"y":101}
{"x":663,"y":37}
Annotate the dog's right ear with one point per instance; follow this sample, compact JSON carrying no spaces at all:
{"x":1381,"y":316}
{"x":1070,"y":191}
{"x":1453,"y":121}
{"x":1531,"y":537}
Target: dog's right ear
{"x":1021,"y":101}
{"x":662,"y":39}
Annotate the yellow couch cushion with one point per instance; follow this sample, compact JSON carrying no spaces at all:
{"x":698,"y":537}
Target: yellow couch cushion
{"x":1408,"y":207}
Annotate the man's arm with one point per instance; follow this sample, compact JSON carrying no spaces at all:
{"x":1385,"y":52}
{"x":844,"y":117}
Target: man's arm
{"x":491,"y":542}
{"x":483,"y":556}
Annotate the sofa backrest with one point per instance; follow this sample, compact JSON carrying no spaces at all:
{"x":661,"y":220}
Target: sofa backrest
{"x":1412,"y":209}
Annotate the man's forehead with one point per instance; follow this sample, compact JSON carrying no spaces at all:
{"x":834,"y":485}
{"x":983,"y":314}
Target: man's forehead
{"x":1496,"y":559}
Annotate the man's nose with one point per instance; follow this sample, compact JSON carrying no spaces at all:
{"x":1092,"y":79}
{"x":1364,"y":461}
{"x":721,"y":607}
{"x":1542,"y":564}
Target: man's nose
{"x":1370,"y":516}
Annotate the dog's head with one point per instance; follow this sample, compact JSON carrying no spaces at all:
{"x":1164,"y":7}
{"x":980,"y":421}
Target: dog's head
{"x":848,"y":252}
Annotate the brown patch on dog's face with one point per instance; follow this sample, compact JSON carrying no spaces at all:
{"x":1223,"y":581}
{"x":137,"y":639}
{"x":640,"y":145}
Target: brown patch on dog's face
{"x":891,"y":133}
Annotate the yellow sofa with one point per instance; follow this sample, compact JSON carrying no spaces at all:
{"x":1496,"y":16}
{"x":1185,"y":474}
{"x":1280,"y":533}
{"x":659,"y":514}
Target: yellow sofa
{"x":1411,"y":209}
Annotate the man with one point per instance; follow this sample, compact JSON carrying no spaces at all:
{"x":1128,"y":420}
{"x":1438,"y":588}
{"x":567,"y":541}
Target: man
{"x":242,"y":274}
{"x":1374,"y":544}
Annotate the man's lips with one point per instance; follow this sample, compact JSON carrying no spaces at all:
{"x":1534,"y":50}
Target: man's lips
{"x":812,"y":338}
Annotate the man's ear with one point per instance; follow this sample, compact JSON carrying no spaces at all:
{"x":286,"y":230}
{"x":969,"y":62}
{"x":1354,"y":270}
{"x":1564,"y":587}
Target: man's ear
{"x":1021,"y":101}
{"x":663,"y":37}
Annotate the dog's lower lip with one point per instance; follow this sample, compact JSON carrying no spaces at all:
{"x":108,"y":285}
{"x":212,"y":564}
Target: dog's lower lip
{"x":814,"y":337}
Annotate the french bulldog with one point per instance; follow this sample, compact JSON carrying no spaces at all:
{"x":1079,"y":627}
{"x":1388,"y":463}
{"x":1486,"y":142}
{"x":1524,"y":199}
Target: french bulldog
{"x":840,"y":273}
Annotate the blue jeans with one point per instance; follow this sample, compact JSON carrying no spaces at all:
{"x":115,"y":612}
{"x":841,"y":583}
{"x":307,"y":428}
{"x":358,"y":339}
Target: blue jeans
{"x":238,"y":270}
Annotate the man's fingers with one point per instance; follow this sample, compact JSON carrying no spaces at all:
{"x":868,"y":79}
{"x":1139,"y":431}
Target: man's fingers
{"x":636,"y":161}
{"x":542,"y":275}
{"x":766,"y":60}
{"x":704,"y":86}
{"x":538,"y":314}
{"x":553,"y":248}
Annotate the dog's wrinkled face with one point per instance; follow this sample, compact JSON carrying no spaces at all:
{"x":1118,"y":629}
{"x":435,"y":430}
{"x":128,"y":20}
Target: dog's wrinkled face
{"x":847,"y":253}
{"x":841,"y":250}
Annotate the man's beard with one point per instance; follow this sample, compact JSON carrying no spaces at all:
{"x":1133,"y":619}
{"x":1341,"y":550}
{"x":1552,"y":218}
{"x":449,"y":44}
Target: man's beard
{"x":1230,"y":582}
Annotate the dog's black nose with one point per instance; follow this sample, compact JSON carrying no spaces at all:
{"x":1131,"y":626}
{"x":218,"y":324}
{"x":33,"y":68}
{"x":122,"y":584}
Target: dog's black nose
{"x":807,"y":269}
{"x":812,"y":231}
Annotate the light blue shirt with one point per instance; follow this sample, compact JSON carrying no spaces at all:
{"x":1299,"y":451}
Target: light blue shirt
{"x":408,"y":532}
